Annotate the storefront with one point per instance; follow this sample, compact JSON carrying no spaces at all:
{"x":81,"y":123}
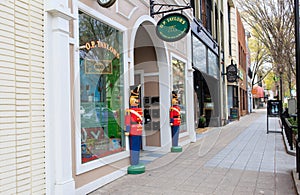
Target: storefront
{"x":233,"y":101}
{"x":237,"y":96}
{"x":110,"y":50}
{"x":206,"y":83}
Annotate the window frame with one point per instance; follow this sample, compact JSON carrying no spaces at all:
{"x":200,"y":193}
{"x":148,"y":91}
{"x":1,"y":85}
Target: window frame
{"x":88,"y":166}
{"x":176,"y":57}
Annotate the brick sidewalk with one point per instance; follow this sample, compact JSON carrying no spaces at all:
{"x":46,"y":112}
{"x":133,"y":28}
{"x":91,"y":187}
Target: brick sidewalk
{"x":239,"y":158}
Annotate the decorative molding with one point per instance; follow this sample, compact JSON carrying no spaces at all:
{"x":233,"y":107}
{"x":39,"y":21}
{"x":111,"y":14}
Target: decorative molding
{"x":101,"y":17}
{"x":59,"y":10}
{"x":123,"y":6}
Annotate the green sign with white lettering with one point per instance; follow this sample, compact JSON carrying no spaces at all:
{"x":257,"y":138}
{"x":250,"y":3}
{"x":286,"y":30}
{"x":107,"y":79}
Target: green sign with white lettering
{"x":172,"y":27}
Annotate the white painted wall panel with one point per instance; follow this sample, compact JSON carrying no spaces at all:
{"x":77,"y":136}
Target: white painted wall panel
{"x":22,"y":128}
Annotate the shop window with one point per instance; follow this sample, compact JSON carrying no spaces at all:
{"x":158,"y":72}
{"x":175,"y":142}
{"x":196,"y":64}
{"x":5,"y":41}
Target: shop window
{"x":199,"y":55}
{"x":213,"y":65}
{"x":178,"y":72}
{"x":101,"y":91}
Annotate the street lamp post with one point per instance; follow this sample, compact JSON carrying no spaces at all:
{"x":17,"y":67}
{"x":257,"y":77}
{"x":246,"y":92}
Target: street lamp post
{"x":296,"y":2}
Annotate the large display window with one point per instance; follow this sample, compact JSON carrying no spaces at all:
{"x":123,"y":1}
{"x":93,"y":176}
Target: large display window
{"x":204,"y":59}
{"x":213,"y":68}
{"x":101,"y":89}
{"x":178,"y":72}
{"x":199,"y":55}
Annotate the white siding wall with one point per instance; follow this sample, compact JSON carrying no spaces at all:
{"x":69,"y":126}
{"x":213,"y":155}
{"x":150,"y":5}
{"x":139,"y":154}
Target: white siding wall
{"x":22,"y":129}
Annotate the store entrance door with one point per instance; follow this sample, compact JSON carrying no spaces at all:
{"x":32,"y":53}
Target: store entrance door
{"x":207,"y":99}
{"x":146,"y":73}
{"x":151,"y":107}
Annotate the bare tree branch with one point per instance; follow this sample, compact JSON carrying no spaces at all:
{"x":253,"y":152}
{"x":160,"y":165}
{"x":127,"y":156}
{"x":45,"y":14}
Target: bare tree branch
{"x":273,"y":24}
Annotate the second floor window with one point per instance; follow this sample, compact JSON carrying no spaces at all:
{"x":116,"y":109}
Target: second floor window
{"x":208,"y":14}
{"x":203,"y":13}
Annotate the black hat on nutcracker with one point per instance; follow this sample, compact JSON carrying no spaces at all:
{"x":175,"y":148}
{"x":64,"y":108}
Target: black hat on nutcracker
{"x":134,"y":96}
{"x":174,"y":98}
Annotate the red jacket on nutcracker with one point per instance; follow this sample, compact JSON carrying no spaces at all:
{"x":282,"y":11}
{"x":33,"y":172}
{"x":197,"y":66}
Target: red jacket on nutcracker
{"x":133,"y":121}
{"x":134,"y":114}
{"x":175,"y":115}
{"x":175,"y":111}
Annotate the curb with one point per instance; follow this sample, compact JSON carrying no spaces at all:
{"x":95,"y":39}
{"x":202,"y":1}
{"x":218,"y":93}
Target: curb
{"x":296,"y":181}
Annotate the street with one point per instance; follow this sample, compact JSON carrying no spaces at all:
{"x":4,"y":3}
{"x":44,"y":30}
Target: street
{"x":239,"y":158}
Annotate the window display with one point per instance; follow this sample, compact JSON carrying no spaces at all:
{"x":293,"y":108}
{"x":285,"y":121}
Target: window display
{"x":101,"y":89}
{"x":179,"y":86}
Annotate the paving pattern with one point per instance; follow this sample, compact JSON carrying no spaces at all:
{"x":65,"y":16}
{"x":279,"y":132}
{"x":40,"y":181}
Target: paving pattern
{"x":239,"y":158}
{"x":147,"y":157}
{"x":254,"y":150}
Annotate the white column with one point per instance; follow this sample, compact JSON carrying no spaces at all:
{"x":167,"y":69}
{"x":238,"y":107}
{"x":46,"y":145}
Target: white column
{"x":165,"y":103}
{"x":58,"y":99}
{"x":190,"y":106}
{"x":190,"y":112}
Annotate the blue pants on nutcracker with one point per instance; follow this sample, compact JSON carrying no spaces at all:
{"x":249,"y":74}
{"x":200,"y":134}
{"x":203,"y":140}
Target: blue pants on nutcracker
{"x":175,"y":135}
{"x":134,"y":145}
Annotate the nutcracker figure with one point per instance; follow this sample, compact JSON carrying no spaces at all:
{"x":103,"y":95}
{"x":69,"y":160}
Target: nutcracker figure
{"x":134,"y":129}
{"x":175,"y":122}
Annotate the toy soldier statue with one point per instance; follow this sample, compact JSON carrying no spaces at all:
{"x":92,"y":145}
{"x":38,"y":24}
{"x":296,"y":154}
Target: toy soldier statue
{"x":175,"y":122}
{"x":134,"y":128}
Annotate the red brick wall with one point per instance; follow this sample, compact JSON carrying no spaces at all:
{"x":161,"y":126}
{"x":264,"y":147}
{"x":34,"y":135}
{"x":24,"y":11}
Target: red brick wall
{"x":242,"y":42}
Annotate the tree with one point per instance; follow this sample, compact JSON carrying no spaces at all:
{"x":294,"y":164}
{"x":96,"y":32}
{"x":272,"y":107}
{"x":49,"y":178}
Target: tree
{"x":270,"y":81}
{"x":259,"y":57}
{"x":273,"y":22}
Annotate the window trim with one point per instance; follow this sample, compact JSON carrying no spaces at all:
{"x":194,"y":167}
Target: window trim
{"x":174,"y":56}
{"x":88,"y":166}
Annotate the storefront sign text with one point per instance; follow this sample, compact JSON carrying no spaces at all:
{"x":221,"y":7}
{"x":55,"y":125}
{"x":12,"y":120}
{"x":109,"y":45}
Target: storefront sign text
{"x":99,"y":44}
{"x":98,"y":67}
{"x":172,"y":27}
{"x":231,"y":73}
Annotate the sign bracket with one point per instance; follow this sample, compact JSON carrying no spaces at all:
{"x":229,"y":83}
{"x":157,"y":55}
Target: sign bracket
{"x":166,"y":8}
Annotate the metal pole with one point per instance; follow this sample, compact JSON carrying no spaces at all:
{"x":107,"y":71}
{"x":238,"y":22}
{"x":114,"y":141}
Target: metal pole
{"x":281,"y":89}
{"x":297,"y":75}
{"x":151,"y":8}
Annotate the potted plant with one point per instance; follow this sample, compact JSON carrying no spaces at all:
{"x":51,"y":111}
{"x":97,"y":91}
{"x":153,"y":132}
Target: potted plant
{"x":202,"y":121}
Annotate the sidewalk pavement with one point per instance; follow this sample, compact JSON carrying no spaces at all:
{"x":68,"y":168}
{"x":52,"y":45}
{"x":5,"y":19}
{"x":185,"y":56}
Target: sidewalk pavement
{"x":239,"y":158}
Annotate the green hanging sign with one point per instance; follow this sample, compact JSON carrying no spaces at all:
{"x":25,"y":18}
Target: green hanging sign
{"x":172,"y":27}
